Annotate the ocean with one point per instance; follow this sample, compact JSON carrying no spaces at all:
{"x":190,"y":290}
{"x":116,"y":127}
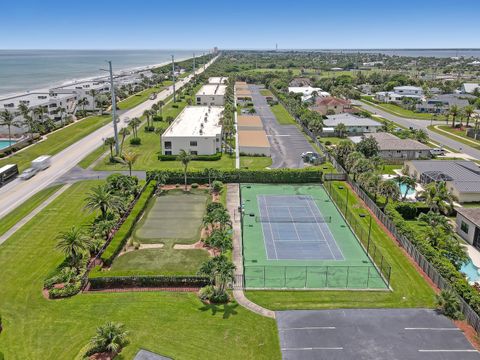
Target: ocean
{"x":22,"y":70}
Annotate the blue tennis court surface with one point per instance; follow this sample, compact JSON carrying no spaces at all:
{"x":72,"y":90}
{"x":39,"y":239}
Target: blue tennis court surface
{"x":294,"y":229}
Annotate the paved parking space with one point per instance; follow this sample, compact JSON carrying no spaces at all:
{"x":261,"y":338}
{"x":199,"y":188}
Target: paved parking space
{"x":286,"y":141}
{"x":361,"y":334}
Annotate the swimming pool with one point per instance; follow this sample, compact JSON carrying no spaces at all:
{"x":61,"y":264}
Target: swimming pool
{"x":471,"y":271}
{"x":5,"y":143}
{"x":403,"y":187}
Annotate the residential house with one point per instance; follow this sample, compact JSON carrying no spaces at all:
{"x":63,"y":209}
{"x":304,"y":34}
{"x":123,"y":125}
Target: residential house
{"x":391,"y":147}
{"x":300,"y":82}
{"x":399,"y":93}
{"x":354,"y":124}
{"x":211,"y":94}
{"x":469,"y":88}
{"x":331,"y":105}
{"x":468,"y":225}
{"x":462,"y":177}
{"x":441,"y":103}
{"x":308,"y":91}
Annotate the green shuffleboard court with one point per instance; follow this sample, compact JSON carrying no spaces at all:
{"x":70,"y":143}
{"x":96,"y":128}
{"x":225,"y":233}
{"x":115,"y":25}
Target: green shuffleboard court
{"x":294,"y":237}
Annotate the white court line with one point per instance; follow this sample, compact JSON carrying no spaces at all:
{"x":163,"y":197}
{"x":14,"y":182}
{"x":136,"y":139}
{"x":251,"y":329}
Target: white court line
{"x":434,"y":329}
{"x":271,"y":230}
{"x":310,"y":328}
{"x":448,"y":350}
{"x":312,"y":348}
{"x":261,"y":226}
{"x":293,"y":221}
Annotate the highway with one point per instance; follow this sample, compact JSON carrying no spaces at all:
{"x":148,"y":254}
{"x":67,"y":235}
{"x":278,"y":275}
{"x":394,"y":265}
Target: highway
{"x":18,"y":191}
{"x":423,"y":124}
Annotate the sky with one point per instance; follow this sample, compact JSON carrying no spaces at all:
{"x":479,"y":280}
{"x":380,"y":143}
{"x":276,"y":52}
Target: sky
{"x":245,"y":24}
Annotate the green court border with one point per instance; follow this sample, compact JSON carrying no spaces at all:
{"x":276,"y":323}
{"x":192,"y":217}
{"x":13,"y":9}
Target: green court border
{"x":356,"y":272}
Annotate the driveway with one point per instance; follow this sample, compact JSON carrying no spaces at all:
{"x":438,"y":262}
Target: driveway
{"x":422,"y":124}
{"x":287,"y":142}
{"x":371,"y":334}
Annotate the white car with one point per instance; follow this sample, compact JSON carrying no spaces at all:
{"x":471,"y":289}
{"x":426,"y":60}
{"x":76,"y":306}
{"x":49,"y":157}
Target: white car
{"x":28,"y":173}
{"x":437,"y":151}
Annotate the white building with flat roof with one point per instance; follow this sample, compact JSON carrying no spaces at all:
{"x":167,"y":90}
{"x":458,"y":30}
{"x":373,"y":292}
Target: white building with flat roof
{"x":218,"y":80}
{"x":211,"y":94}
{"x":196,"y":130}
{"x":308,"y":91}
{"x":83,"y":90}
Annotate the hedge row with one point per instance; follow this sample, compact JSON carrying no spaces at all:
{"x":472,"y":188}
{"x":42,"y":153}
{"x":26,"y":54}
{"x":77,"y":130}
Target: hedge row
{"x":442,"y":264}
{"x":113,"y":282}
{"x":305,"y":175}
{"x":121,"y":236}
{"x":214,"y":157}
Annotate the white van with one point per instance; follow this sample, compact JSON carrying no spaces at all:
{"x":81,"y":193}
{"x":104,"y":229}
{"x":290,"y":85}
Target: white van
{"x":42,"y":162}
{"x":437,"y":151}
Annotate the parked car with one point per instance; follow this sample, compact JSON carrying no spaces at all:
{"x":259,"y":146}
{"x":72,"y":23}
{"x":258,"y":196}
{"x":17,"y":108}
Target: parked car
{"x":437,"y":151}
{"x":153,"y":96}
{"x":28,"y":173}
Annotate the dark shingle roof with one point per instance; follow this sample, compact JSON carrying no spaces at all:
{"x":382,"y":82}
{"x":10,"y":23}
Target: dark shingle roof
{"x":472,"y":214}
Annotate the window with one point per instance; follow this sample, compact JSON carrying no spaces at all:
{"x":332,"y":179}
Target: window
{"x":168,"y":152}
{"x":199,"y":100}
{"x":168,"y":145}
{"x":193,"y":152}
{"x":193,"y":143}
{"x":464,"y":227}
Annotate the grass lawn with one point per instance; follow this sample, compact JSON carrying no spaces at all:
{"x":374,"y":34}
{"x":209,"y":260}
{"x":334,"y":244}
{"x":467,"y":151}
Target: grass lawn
{"x":255,"y":162}
{"x":26,"y":208}
{"x":282,"y":115}
{"x":333,"y":140}
{"x":138,"y":98}
{"x":94,"y":155}
{"x":57,"y":141}
{"x":399,"y":111}
{"x":409,"y":288}
{"x":460,"y":135}
{"x":177,"y":325}
{"x":265,"y":92}
{"x":388,"y":169}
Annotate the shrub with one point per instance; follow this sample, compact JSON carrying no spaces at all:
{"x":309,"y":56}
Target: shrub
{"x":214,"y":157}
{"x":206,"y":292}
{"x":449,"y":304}
{"x":157,"y":118}
{"x":123,"y":234}
{"x":98,"y":283}
{"x":135,"y":141}
{"x":407,"y":210}
{"x":68,"y":290}
{"x":328,"y":143}
{"x":149,"y":128}
{"x":194,"y":185}
{"x":175,"y":106}
{"x":219,"y":297}
{"x":217,"y":186}
{"x":214,"y":206}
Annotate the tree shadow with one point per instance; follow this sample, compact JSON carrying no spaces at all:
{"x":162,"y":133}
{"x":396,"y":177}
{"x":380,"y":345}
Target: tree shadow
{"x":226,"y":309}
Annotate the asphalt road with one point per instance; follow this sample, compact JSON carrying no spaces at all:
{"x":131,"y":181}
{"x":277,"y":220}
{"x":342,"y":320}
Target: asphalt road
{"x":422,"y":124}
{"x":366,"y":334}
{"x":16,"y":192}
{"x":287,"y":142}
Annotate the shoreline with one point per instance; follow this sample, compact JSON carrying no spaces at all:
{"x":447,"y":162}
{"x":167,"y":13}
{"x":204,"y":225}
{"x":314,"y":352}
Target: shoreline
{"x":116,"y":73}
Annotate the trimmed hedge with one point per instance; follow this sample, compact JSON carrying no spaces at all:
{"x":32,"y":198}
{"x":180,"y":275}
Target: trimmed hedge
{"x":112,"y":282}
{"x":214,"y":157}
{"x":279,"y":176}
{"x":121,"y":236}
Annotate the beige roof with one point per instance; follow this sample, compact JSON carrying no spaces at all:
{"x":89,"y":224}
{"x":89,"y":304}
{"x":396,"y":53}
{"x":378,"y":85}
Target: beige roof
{"x":240,"y":83}
{"x":253,"y":138}
{"x":249,"y":121}
{"x":243,"y":92}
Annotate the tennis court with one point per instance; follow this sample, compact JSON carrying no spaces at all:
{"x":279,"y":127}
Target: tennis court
{"x":295,"y":237}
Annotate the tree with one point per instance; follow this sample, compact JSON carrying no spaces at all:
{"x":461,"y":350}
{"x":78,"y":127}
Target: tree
{"x":220,"y":239}
{"x":110,"y":141}
{"x":368,"y":146}
{"x":449,"y":304}
{"x":351,"y":159}
{"x":468,"y":110}
{"x":147,"y":114}
{"x":61,"y":111}
{"x":212,"y":175}
{"x":134,"y":124}
{"x":101,"y":199}
{"x":434,"y":220}
{"x":454,"y":110}
{"x":161,"y":104}
{"x":93,"y":93}
{"x":389,"y":189}
{"x":74,"y":243}
{"x":185,"y":159}
{"x":110,"y":337}
{"x":371,"y":183}
{"x":343,"y":149}
{"x":130,"y":157}
{"x":361,"y":166}
{"x":438,"y":198}
{"x":421,"y":135}
{"x":8,"y":120}
{"x":124,"y":132}
{"x":341,"y":130}
{"x":28,"y":119}
{"x":219,"y":270}
{"x":83,"y":102}
{"x":409,"y":184}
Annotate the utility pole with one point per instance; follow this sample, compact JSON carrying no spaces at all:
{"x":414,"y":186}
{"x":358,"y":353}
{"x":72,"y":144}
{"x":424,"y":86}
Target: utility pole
{"x":173,"y":78}
{"x":114,"y":109}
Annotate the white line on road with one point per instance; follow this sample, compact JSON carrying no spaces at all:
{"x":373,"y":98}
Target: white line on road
{"x":434,"y":329}
{"x":310,"y":328}
{"x":312,"y":348}
{"x":449,"y":350}
{"x":278,"y":135}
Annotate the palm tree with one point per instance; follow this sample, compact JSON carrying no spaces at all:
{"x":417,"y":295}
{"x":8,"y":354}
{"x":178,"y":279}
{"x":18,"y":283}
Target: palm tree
{"x":124,"y":132}
{"x":28,"y":119}
{"x":316,"y":126}
{"x":389,"y":189}
{"x":184,"y":158}
{"x":8,"y":120}
{"x":61,"y":111}
{"x":468,"y":110}
{"x":341,"y":129}
{"x":438,"y":198}
{"x":101,"y":199}
{"x":454,"y":112}
{"x":74,"y":243}
{"x":134,"y":123}
{"x":435,"y":220}
{"x":83,"y":102}
{"x":220,"y":271}
{"x":409,"y":184}
{"x":147,"y":114}
{"x":93,"y":93}
{"x":110,"y":141}
{"x":130,"y":157}
{"x":161,"y":104}
{"x":110,"y":337}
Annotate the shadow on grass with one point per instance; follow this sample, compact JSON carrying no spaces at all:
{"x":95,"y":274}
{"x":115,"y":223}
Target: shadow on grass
{"x":227,"y":309}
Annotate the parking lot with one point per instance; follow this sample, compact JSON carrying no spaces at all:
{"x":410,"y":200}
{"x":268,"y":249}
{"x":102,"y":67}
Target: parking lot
{"x":351,"y":334}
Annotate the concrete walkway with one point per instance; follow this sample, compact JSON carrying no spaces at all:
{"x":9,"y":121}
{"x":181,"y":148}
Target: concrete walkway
{"x":473,"y":142}
{"x":27,"y":218}
{"x":233,"y":203}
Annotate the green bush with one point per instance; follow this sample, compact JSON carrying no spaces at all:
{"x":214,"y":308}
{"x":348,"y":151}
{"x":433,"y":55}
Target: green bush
{"x":206,"y":292}
{"x":194,"y":185}
{"x":149,"y":128}
{"x":67,"y":291}
{"x":278,"y":176}
{"x":135,"y":141}
{"x":407,"y":210}
{"x":217,"y":186}
{"x":157,"y":118}
{"x":121,"y":236}
{"x":214,"y":157}
{"x":214,"y":206}
{"x":112,"y":282}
